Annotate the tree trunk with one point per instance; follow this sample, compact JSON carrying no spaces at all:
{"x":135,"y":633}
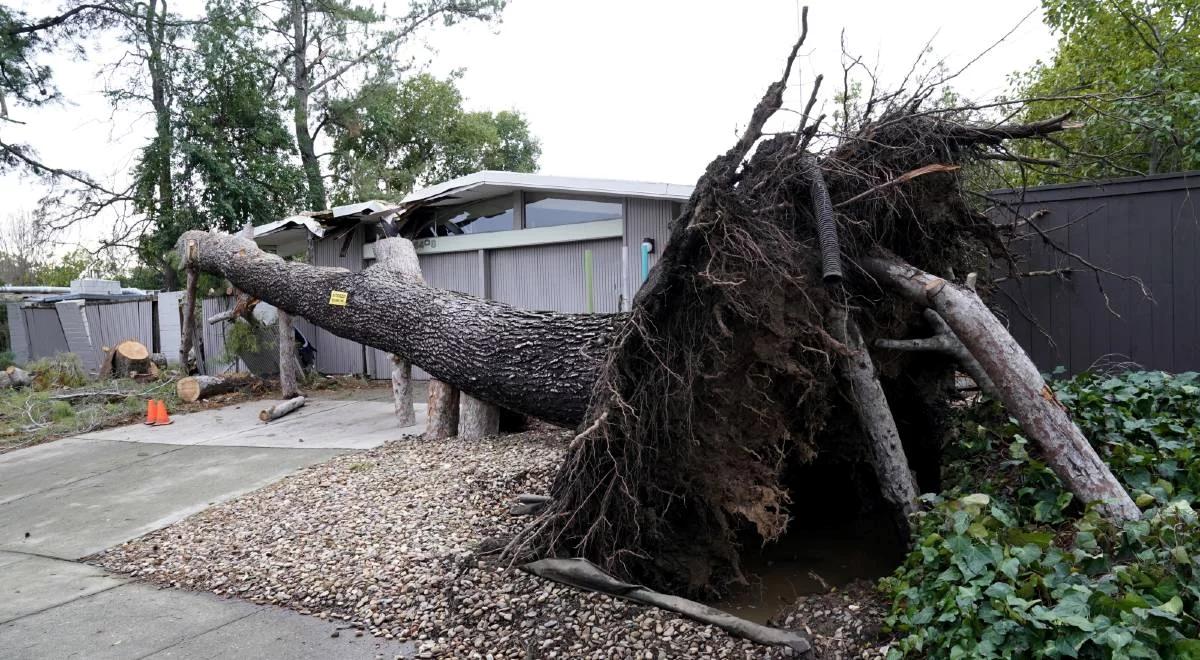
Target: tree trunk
{"x":193,"y":388}
{"x":539,"y":363}
{"x":300,"y":92}
{"x":400,"y":256}
{"x":896,"y":482}
{"x":280,"y":409}
{"x":477,"y":419}
{"x":189,"y":316}
{"x":1018,"y":384}
{"x":402,"y":391}
{"x":443,"y":411}
{"x":288,"y":362}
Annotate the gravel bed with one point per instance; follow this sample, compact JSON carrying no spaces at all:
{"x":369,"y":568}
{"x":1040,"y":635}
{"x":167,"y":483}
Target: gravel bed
{"x":388,"y":541}
{"x":843,"y":623}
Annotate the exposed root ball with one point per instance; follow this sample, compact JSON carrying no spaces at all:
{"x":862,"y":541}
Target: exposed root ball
{"x":724,"y":377}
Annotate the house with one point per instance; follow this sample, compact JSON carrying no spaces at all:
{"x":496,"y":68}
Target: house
{"x":531,"y":240}
{"x":84,"y":319}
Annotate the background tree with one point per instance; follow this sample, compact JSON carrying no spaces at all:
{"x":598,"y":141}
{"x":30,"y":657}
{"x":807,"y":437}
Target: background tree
{"x":393,"y":136}
{"x":1130,"y":72}
{"x":328,"y":42}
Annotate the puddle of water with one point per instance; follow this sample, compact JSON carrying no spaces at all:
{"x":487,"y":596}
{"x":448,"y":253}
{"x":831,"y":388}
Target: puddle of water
{"x":813,"y":559}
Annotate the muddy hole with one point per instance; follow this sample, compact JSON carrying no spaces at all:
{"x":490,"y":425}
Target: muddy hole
{"x":838,"y":534}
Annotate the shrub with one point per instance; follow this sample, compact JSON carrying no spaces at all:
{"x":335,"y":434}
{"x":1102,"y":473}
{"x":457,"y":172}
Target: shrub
{"x":1018,"y":569}
{"x":62,"y":370}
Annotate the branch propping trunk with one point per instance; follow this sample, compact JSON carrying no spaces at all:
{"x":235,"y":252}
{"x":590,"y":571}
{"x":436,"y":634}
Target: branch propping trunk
{"x":542,"y":364}
{"x":1018,"y":384}
{"x":896,"y":481}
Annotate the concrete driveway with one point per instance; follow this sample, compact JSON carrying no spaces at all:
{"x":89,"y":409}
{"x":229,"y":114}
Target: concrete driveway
{"x":63,"y":501}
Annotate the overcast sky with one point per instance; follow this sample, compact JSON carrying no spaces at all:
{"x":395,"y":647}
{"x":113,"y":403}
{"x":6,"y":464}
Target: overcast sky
{"x":636,"y":89}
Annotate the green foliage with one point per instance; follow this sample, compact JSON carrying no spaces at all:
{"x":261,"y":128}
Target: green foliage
{"x":240,"y":339}
{"x":391,"y":137}
{"x":7,"y":359}
{"x":1006,"y":565}
{"x":62,"y":370}
{"x":1140,"y":62}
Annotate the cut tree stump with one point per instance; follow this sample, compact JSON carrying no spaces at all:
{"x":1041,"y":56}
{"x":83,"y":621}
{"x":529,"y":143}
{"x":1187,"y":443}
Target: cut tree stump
{"x":193,"y":388}
{"x":477,"y":418}
{"x":131,"y":358}
{"x":280,"y":409}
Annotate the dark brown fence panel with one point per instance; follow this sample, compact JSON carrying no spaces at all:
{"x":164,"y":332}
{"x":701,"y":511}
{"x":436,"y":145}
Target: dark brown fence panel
{"x":1146,"y":227}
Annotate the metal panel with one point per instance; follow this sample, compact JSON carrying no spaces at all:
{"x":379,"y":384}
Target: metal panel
{"x":46,"y":337}
{"x":18,"y":334}
{"x":456,"y":271}
{"x":336,"y":355}
{"x":552,"y":277}
{"x":170,"y":325}
{"x":644,"y":218}
{"x":79,"y":340}
{"x":1145,"y":228}
{"x":126,"y":320}
{"x":214,"y":335}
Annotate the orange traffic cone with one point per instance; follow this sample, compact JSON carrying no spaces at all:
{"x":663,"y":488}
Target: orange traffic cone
{"x":151,"y":411}
{"x":161,"y":418}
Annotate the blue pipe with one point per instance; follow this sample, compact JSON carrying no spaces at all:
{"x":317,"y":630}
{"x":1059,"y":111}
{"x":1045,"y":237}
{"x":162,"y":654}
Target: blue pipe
{"x":646,"y":247}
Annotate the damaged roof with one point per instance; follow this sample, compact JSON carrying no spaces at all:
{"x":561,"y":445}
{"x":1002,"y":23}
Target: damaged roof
{"x":491,"y":183}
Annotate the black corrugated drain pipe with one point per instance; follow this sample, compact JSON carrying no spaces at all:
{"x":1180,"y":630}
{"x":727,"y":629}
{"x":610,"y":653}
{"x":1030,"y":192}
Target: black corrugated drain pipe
{"x":831,"y":249}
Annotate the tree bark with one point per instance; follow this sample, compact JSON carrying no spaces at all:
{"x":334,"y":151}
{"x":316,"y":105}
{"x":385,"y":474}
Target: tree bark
{"x":402,"y":391}
{"x":288,"y":362}
{"x":539,"y":363}
{"x":400,"y":256}
{"x":946,"y":342}
{"x":443,"y":411}
{"x":477,"y":419}
{"x":193,"y":388}
{"x":896,"y":482}
{"x":300,"y":99}
{"x":189,"y":316}
{"x":1018,"y":384}
{"x":280,"y":409}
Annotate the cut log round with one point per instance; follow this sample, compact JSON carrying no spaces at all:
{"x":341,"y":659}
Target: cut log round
{"x":194,"y":388}
{"x":131,"y":358}
{"x":280,"y":409}
{"x":15,"y":377}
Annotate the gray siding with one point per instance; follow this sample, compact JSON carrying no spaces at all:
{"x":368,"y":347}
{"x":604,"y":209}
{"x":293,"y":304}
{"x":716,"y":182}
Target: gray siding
{"x":170,"y":326}
{"x":644,"y":218}
{"x":1147,"y":227}
{"x":46,"y":337}
{"x":551,"y":277}
{"x":334,"y":354}
{"x":213,"y":336}
{"x":456,"y":271}
{"x":18,"y":334}
{"x":79,"y":340}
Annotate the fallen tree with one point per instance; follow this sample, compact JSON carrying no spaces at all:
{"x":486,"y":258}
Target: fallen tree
{"x":743,"y":367}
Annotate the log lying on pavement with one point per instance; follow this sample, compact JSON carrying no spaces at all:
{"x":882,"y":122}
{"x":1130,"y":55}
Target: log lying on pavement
{"x":280,"y":409}
{"x":194,"y":388}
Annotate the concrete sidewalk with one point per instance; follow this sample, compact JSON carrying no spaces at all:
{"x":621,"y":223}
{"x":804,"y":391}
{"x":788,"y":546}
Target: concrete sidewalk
{"x":65,"y":500}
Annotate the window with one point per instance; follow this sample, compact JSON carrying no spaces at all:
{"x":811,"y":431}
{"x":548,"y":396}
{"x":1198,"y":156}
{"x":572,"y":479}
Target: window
{"x":549,"y":211}
{"x":476,"y":218}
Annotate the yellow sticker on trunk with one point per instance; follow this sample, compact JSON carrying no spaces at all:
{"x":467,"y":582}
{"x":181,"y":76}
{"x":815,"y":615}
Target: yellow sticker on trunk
{"x":338,"y":298}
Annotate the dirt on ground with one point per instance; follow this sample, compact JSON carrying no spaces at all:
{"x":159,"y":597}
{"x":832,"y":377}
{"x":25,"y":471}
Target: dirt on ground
{"x":402,"y":542}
